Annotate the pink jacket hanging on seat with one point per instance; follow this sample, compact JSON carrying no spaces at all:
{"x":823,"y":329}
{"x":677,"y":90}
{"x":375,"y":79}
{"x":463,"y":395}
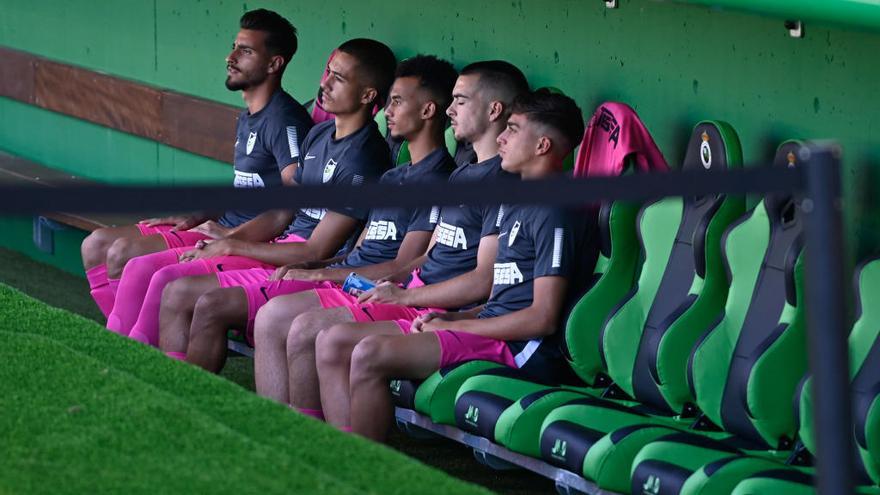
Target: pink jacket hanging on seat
{"x":615,"y":133}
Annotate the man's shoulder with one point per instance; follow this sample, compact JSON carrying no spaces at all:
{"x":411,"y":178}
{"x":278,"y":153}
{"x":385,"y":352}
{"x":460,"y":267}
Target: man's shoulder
{"x":286,"y":107}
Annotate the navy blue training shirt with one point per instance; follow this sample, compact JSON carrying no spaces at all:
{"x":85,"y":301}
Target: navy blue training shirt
{"x":533,"y":242}
{"x":460,"y":228}
{"x":387,"y":227}
{"x":265,"y":143}
{"x":360,"y":157}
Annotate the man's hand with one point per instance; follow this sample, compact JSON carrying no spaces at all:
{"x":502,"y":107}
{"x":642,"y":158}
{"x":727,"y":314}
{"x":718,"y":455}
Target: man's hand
{"x":180,"y":222}
{"x":211,"y":249}
{"x":211,"y":229}
{"x":384,"y":293}
{"x":433,"y":321}
{"x":295,"y":271}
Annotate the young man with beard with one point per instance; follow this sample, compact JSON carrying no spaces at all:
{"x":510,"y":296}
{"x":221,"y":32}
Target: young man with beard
{"x":267,"y":153}
{"x":348,"y":150}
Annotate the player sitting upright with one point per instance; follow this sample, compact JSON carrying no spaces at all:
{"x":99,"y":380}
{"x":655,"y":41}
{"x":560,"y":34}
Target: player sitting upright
{"x":393,"y":237}
{"x":543,"y":259}
{"x":348,"y":150}
{"x":267,"y":144}
{"x":457,"y":271}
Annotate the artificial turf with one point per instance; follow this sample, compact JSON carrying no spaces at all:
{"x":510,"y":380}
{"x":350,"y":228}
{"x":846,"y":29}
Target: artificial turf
{"x":83,"y":410}
{"x":63,"y":290}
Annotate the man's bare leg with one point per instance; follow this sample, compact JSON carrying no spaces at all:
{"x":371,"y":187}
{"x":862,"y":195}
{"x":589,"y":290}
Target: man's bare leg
{"x":178,"y":304}
{"x":126,"y":248}
{"x":215,"y":312}
{"x":270,"y":340}
{"x":302,"y":368}
{"x":378,"y":359}
{"x":333,"y":348}
{"x":94,"y":247}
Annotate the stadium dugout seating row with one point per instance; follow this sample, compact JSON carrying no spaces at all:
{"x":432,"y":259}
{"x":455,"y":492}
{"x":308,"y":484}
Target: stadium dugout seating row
{"x":687,"y":353}
{"x":690,"y":349}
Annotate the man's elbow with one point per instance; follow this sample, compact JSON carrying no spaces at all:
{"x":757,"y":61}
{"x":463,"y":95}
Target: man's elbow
{"x":547,"y":324}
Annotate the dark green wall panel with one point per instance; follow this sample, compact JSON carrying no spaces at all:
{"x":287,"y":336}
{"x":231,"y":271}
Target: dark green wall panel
{"x":676,"y":64}
{"x":18,"y":235}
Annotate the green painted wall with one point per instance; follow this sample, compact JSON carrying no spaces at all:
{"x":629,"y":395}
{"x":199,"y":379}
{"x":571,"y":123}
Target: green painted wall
{"x":676,"y":64}
{"x":18,"y":235}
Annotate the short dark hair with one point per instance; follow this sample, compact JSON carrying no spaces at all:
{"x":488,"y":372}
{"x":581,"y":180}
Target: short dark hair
{"x":553,"y":110}
{"x":436,"y":75}
{"x":500,"y":80}
{"x":376,"y":64}
{"x":280,"y":33}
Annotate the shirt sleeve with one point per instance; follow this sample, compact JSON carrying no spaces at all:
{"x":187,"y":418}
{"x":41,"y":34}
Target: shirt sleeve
{"x":424,"y":219}
{"x":555,"y":243}
{"x":285,"y":134}
{"x":491,"y":220}
{"x":307,"y":141}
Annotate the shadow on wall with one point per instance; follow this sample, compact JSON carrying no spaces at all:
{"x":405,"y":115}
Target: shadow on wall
{"x":866,"y":191}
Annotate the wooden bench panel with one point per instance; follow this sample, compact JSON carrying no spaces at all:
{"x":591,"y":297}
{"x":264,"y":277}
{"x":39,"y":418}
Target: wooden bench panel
{"x":193,"y":124}
{"x":20,"y":86}
{"x":105,"y":100}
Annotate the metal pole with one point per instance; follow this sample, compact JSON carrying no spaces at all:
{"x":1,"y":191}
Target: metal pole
{"x":827,"y":336}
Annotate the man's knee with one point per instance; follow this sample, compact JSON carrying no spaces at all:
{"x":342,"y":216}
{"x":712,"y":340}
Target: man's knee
{"x":368,"y":358}
{"x":178,"y":293}
{"x":333,"y":345}
{"x":303,"y":331}
{"x":215,"y":304}
{"x":122,"y":250}
{"x":96,"y":244}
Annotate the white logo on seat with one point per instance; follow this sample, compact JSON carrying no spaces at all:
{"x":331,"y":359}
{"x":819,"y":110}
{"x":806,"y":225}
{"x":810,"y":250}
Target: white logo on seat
{"x":252,"y":139}
{"x":706,"y":151}
{"x":507,"y":274}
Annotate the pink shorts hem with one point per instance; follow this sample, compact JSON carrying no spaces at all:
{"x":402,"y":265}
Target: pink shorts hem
{"x":365,"y":313}
{"x":457,"y":347}
{"x":259,"y":290}
{"x":173,"y":238}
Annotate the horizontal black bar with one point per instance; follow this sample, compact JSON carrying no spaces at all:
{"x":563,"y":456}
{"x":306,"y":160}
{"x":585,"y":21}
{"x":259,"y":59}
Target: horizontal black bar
{"x":558,"y":191}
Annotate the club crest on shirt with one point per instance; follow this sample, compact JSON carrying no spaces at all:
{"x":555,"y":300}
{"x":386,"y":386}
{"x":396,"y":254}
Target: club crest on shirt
{"x":513,"y":232}
{"x":252,"y":140}
{"x":329,"y":168}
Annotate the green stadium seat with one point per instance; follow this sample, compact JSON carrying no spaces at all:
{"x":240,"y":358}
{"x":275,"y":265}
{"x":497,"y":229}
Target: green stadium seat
{"x":435,"y":397}
{"x":681,"y":279}
{"x":745,"y":369}
{"x":864,"y":349}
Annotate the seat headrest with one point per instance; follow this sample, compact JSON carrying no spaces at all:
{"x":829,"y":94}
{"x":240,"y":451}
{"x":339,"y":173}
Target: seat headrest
{"x":781,"y":207}
{"x":713,"y":146}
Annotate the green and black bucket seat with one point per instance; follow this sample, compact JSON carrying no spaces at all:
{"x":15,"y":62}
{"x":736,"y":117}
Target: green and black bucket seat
{"x":745,"y":370}
{"x":612,"y":278}
{"x":681,"y":280}
{"x":864,"y":352}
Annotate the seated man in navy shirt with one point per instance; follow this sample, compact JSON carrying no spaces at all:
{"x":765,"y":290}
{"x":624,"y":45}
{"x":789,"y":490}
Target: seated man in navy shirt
{"x":392,"y":238}
{"x":267,"y":143}
{"x":542,"y":262}
{"x":348,"y":150}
